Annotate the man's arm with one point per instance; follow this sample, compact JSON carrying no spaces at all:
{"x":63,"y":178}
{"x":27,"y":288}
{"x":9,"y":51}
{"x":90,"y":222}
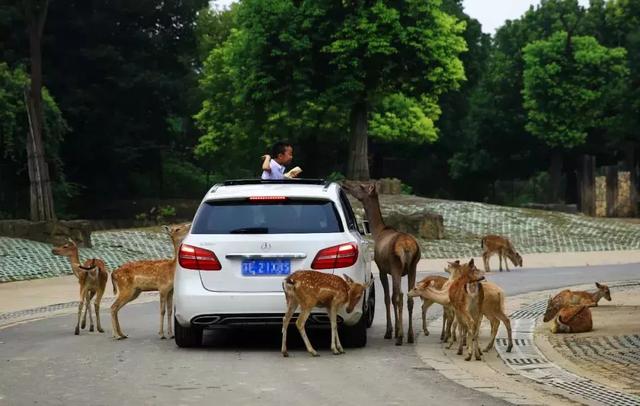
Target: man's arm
{"x":266,"y":163}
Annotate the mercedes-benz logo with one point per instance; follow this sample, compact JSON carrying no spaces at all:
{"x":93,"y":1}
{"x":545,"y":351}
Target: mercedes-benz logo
{"x":265,"y":246}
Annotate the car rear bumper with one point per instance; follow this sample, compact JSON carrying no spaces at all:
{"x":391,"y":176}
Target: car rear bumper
{"x":194,"y":305}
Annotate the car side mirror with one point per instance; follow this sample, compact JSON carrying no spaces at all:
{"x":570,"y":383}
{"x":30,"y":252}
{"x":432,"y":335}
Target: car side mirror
{"x":364,"y":227}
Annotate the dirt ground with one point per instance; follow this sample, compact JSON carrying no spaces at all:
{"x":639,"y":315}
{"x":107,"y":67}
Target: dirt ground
{"x":610,"y":354}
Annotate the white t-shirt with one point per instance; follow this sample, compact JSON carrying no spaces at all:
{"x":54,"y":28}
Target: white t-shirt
{"x":277,"y":171}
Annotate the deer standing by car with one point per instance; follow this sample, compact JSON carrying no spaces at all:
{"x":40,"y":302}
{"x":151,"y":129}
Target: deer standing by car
{"x":495,"y":244}
{"x":133,"y":278}
{"x":395,"y":253}
{"x":92,"y":276}
{"x":309,"y":289}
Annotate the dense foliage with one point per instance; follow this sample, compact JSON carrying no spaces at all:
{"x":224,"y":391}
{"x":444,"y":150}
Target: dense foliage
{"x":160,"y":99}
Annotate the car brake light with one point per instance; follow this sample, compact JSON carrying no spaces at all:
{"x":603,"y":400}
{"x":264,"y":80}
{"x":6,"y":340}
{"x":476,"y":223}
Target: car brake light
{"x":267,"y":198}
{"x":339,"y":256}
{"x":198,"y":259}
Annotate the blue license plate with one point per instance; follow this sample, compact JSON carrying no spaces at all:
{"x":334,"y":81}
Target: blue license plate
{"x":266,"y":267}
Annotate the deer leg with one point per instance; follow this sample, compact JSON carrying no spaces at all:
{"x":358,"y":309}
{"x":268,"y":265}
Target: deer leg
{"x":445,"y":323}
{"x":90,"y":295}
{"x":96,"y":305}
{"x":170,"y":313}
{"x":485,"y":258}
{"x":292,"y":304}
{"x":384,"y":279}
{"x":163,"y":306}
{"x":84,"y":317}
{"x":397,"y":308}
{"x":80,"y":306}
{"x":506,"y":263}
{"x":495,"y":323}
{"x":336,"y":347}
{"x":426,"y":303}
{"x":507,"y":323}
{"x":500,"y":258}
{"x":302,"y":319}
{"x":412,"y":284}
{"x":123,"y":298}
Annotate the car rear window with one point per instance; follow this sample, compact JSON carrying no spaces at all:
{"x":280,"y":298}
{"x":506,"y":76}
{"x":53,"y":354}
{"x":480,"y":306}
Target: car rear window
{"x":291,"y":216}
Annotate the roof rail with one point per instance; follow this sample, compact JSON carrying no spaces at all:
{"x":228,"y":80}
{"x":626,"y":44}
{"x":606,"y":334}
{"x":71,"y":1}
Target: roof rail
{"x":302,"y":181}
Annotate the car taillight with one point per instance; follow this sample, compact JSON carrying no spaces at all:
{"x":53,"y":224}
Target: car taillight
{"x":339,"y":256}
{"x":198,"y":259}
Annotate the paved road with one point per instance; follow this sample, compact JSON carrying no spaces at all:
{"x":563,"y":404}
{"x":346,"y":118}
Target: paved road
{"x":42,"y":362}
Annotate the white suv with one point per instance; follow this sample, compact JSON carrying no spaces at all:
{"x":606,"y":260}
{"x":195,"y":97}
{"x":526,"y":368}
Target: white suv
{"x":246,"y":236}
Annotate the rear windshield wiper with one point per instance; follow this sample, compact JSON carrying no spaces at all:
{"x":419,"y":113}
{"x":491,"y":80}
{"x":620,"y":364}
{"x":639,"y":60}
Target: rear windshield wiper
{"x":250,"y":230}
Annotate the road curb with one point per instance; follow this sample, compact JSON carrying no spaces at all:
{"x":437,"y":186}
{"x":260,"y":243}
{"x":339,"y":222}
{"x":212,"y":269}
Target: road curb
{"x":524,"y":376}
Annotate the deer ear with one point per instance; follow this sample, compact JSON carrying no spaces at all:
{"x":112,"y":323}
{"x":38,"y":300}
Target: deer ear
{"x":471,"y":263}
{"x":371,"y":189}
{"x":457,"y":262}
{"x":598,"y":285}
{"x":166,"y":229}
{"x":347,"y":278}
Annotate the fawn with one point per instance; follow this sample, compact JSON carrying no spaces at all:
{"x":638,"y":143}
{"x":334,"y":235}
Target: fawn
{"x":495,"y":244}
{"x":92,"y":277}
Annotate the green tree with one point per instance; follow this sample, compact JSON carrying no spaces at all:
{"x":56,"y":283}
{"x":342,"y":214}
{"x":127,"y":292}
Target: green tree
{"x":14,"y":124}
{"x":299,"y":69}
{"x":566,"y":83}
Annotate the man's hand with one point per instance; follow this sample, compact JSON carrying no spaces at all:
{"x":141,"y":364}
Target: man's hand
{"x":266,"y":162}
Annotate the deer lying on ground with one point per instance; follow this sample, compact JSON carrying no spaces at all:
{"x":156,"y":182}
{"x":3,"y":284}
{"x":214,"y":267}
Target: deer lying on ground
{"x":132,"y":278}
{"x":437,"y":282}
{"x":495,"y":244}
{"x":395,"y":253}
{"x":575,"y":298}
{"x":569,"y":311}
{"x":309,"y":289}
{"x":92,"y":277}
{"x":572,"y":319}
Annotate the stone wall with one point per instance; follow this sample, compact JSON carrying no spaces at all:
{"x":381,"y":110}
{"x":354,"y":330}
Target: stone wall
{"x":417,"y":221}
{"x":51,"y":232}
{"x":624,"y":202}
{"x":601,"y":196}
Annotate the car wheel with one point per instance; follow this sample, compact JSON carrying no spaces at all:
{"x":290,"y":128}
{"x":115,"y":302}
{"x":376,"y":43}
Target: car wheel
{"x":187,"y":337}
{"x":371,"y":305}
{"x":354,"y":336}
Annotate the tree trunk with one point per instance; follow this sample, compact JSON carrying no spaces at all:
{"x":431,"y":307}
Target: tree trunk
{"x":358,"y":168}
{"x":40,"y":188}
{"x":555,"y":175}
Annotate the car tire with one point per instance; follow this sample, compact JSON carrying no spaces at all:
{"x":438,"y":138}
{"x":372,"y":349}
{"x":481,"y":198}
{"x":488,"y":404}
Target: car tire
{"x":187,"y":337}
{"x":371,"y":305}
{"x":354,"y":336}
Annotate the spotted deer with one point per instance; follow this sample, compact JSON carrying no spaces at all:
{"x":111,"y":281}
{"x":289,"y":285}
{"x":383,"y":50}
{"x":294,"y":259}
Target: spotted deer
{"x":575,"y":298}
{"x":396,"y":254}
{"x":92,"y":276}
{"x":572,"y":319}
{"x":133,"y":278}
{"x":492,"y":306}
{"x":495,"y":244}
{"x":309,"y":289}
